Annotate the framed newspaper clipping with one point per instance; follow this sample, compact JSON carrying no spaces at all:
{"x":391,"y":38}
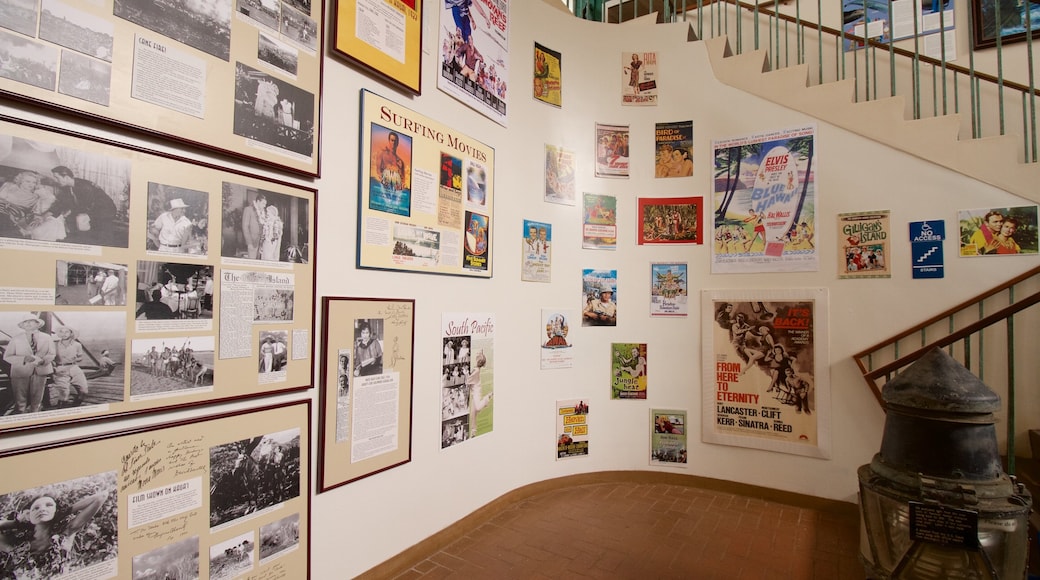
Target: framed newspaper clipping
{"x":426,"y":194}
{"x":383,"y":37}
{"x":145,"y":281}
{"x":766,"y":381}
{"x":241,"y":78}
{"x":211,"y":498}
{"x":367,"y":366}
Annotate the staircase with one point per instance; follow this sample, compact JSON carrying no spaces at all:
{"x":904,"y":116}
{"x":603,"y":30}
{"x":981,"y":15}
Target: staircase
{"x":978,"y":125}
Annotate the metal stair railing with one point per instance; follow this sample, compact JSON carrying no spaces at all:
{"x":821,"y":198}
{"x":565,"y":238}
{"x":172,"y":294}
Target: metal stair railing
{"x":966,"y":332}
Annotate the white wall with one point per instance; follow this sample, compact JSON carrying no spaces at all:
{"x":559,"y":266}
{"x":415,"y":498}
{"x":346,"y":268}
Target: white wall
{"x":359,"y":525}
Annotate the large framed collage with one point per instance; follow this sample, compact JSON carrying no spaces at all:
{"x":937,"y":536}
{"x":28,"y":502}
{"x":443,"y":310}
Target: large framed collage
{"x":243,"y":81}
{"x":145,"y":282}
{"x":216,"y":497}
{"x":425,"y":195}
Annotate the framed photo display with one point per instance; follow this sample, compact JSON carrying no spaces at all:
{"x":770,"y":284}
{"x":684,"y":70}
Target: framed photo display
{"x":766,"y":383}
{"x":367,"y":366}
{"x":145,"y":281}
{"x":426,"y":194}
{"x":1013,"y":18}
{"x":243,"y":81}
{"x":382,"y":37}
{"x":213,"y":498}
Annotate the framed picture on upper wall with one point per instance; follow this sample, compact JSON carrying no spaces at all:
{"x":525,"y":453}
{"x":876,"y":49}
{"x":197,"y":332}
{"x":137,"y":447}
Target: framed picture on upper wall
{"x":142,"y":282}
{"x":239,"y":77}
{"x":1012,"y":18}
{"x":367,"y":364}
{"x":384,"y":37}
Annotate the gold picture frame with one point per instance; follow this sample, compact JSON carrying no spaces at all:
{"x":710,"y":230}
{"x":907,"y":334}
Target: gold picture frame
{"x":384,"y":37}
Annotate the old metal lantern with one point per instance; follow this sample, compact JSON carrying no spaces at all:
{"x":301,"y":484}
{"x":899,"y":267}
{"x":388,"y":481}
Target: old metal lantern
{"x":934,"y":502}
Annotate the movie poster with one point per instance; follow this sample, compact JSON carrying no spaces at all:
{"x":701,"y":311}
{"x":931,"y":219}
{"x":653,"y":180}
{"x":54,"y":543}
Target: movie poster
{"x":673,"y":144}
{"x":611,"y":150}
{"x":669,"y":287}
{"x":599,"y":297}
{"x":670,"y":220}
{"x":559,"y":176}
{"x":557,"y":351}
{"x":467,"y":376}
{"x":998,"y":231}
{"x":863,"y":239}
{"x":639,"y":78}
{"x":572,"y":429}
{"x":765,"y":203}
{"x":668,"y":437}
{"x":548,"y":76}
{"x":627,"y":370}
{"x":474,"y":56}
{"x":765,"y":382}
{"x":599,"y":224}
{"x":536,"y":252}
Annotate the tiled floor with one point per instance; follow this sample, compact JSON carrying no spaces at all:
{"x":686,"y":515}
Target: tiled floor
{"x":642,"y":530}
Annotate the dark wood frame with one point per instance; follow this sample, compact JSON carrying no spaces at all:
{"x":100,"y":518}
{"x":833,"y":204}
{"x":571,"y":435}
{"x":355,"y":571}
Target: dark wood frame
{"x":336,"y":456}
{"x":139,"y":155}
{"x":978,"y":38}
{"x":139,"y":445}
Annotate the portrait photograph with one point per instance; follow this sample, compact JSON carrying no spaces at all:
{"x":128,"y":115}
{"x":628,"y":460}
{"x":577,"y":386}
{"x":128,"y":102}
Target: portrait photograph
{"x":89,"y":283}
{"x":174,"y":291}
{"x":201,"y":24}
{"x":169,"y":366}
{"x":264,"y":225}
{"x":368,"y":347}
{"x":176,"y":561}
{"x":19,"y":15}
{"x":1000,"y":231}
{"x":274,"y":349}
{"x":390,"y":185}
{"x":178,"y":220}
{"x":344,"y":370}
{"x":27,"y":61}
{"x":273,"y":112}
{"x":66,"y":514}
{"x":279,"y":536}
{"x":253,"y":474}
{"x":232,"y":558}
{"x":50,"y":193}
{"x":55,"y":361}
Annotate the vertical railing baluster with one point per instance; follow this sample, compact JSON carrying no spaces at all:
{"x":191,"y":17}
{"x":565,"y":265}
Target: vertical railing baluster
{"x":756,"y":26}
{"x":700,"y":19}
{"x":935,"y":93}
{"x":1000,"y":63}
{"x":799,"y":32}
{"x":1011,"y":370}
{"x":1032,"y":85}
{"x":916,"y":71}
{"x":942,"y":48}
{"x":819,"y":39}
{"x":982,"y":343}
{"x":891,"y":54}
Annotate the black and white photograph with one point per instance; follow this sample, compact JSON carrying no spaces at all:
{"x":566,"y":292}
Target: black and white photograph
{"x":176,"y":561}
{"x":368,"y":347}
{"x":27,"y":61}
{"x":273,"y":112}
{"x":89,"y":283}
{"x":264,"y":225}
{"x":53,"y":361}
{"x":73,"y":28}
{"x":254,"y":474}
{"x":59,"y":194}
{"x":19,"y":16}
{"x":169,"y":290}
{"x":61,"y":528}
{"x":283,"y":57}
{"x":273,"y":351}
{"x":299,"y":28}
{"x":85,"y":78}
{"x":202,"y":24}
{"x":171,"y":365}
{"x":343,"y":372}
{"x":262,"y":12}
{"x":301,"y":5}
{"x":178,"y":220}
{"x":273,"y":305}
{"x":279,"y":536}
{"x":232,"y":558}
